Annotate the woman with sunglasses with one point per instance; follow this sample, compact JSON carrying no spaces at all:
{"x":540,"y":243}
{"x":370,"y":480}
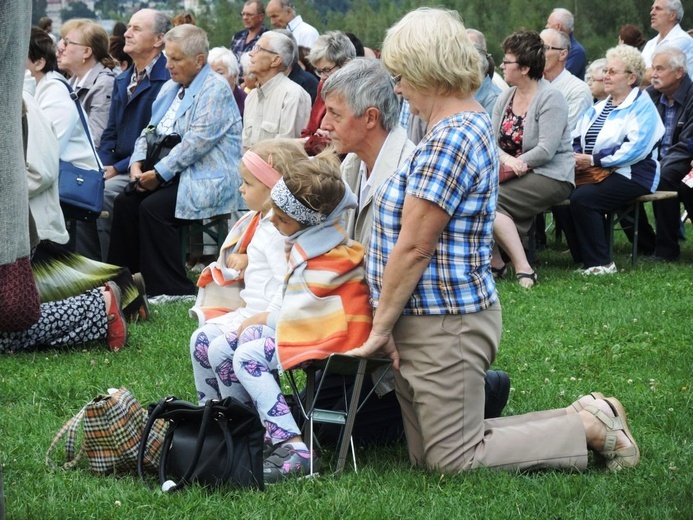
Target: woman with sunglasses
{"x":620,"y":133}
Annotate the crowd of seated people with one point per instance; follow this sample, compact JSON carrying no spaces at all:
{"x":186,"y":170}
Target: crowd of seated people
{"x":429,"y":166}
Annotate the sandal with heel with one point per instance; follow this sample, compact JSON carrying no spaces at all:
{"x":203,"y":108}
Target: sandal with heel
{"x":616,"y":459}
{"x":578,"y":407}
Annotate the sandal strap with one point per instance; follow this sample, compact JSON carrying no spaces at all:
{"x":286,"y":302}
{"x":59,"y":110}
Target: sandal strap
{"x":613,"y":424}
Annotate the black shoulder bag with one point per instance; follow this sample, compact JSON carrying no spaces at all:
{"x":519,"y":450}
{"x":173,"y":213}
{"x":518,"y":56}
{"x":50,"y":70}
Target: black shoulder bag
{"x":214,"y":444}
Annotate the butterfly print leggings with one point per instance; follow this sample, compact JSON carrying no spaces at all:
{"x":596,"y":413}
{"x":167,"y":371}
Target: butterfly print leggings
{"x":226,"y":366}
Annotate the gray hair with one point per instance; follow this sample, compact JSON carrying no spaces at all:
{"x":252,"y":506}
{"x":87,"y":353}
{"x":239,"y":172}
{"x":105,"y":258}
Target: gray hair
{"x":162,"y":23}
{"x":596,"y":66}
{"x":677,"y":6}
{"x":563,"y":38}
{"x":677,"y":58}
{"x":290,"y":35}
{"x":333,"y":46}
{"x":284,"y":46}
{"x":192,"y":39}
{"x":478,"y":38}
{"x":565,"y":17}
{"x":226,"y":58}
{"x":364,"y":83}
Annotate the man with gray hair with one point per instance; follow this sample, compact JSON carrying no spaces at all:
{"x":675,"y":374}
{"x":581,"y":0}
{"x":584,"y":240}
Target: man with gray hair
{"x":134,"y":92}
{"x":665,"y":18}
{"x":563,"y":20}
{"x":277,"y":107}
{"x":283,"y":16}
{"x":297,"y":74}
{"x":672,"y":93}
{"x":576,"y":92}
{"x":488,"y":91}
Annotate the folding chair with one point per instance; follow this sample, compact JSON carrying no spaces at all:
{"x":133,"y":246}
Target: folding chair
{"x":345,"y":366}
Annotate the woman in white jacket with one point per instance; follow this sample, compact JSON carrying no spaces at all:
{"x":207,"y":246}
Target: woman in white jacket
{"x":42,"y":154}
{"x":60,"y":273}
{"x":54,"y":99}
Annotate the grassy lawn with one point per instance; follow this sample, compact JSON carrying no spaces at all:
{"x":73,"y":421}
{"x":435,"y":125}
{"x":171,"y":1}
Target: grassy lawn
{"x":627,"y":335}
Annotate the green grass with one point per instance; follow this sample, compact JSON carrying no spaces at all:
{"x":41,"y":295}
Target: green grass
{"x":628,"y":335}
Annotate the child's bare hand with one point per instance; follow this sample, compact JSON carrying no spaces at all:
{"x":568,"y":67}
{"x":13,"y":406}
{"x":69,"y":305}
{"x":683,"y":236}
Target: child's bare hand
{"x":237,"y":261}
{"x":257,"y":319}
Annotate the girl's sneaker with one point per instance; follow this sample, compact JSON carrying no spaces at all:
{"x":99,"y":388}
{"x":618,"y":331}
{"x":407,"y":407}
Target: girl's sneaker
{"x":286,"y":461}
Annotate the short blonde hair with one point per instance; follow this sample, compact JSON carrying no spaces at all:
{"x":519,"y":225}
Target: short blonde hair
{"x":431,"y":49}
{"x":632,"y":59}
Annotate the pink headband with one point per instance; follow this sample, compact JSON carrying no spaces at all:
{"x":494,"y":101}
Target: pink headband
{"x":261,"y":169}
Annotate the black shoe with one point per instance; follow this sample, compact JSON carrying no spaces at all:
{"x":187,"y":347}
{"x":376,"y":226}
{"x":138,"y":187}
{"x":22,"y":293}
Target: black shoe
{"x":497,"y":386}
{"x":660,"y":259}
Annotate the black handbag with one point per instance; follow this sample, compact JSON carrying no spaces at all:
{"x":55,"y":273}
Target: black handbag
{"x":158,"y":147}
{"x":80,"y":190}
{"x":213,"y":444}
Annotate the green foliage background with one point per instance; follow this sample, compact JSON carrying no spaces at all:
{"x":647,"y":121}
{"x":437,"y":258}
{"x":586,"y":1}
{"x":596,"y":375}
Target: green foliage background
{"x":596,"y":27}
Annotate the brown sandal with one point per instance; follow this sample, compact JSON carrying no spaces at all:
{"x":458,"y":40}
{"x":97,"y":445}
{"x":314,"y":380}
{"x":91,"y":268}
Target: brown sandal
{"x":616,"y":460}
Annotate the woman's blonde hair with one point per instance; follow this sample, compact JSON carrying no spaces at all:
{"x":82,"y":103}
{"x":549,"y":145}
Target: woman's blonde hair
{"x":93,"y":36}
{"x":316,"y":182}
{"x":631,"y":58}
{"x":430,"y":48}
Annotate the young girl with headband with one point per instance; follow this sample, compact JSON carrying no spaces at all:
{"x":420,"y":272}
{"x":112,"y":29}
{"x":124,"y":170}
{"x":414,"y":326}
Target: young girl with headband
{"x":325,"y":306}
{"x":245,"y":284}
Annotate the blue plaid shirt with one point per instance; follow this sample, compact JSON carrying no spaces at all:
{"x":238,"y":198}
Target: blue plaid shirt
{"x":669,"y":124}
{"x":238,"y":45}
{"x":456,"y":167}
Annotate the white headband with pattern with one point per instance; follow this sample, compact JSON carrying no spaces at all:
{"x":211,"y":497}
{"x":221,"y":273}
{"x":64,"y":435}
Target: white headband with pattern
{"x":289,"y":204}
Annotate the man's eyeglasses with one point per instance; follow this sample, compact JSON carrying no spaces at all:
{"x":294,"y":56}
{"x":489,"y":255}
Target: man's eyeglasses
{"x":614,"y":72}
{"x":258,"y":48}
{"x":550,"y":48}
{"x":248,"y":15}
{"x":508,"y":62}
{"x":326,"y":70}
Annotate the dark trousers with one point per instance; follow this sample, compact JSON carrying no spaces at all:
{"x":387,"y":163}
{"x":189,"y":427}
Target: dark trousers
{"x":667,"y":214}
{"x":145,"y":238}
{"x":588,"y":205}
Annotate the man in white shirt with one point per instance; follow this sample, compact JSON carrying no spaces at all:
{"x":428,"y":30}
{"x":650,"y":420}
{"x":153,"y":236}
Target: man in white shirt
{"x":665,"y":17}
{"x":277,"y":107}
{"x":283,"y":16}
{"x":576,"y":91}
